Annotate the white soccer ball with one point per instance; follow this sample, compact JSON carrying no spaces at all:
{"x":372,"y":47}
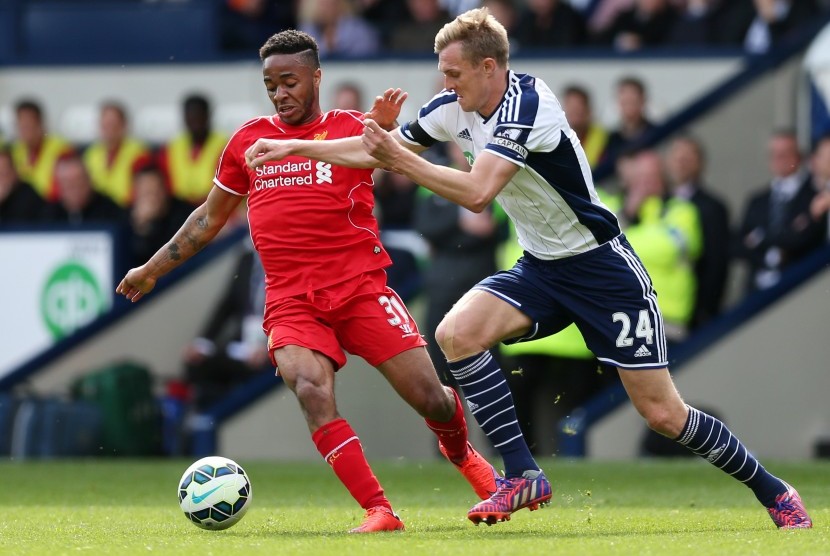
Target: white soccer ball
{"x":214,"y":492}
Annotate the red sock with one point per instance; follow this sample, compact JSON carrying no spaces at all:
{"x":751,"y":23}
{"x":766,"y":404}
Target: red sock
{"x":453,"y":433}
{"x":340,"y":447}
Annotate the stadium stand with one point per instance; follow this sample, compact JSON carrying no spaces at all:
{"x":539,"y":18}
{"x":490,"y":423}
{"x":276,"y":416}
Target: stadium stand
{"x":79,"y":124}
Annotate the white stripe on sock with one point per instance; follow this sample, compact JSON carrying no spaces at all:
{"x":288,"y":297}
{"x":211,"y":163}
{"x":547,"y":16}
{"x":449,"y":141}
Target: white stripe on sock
{"x":340,"y":446}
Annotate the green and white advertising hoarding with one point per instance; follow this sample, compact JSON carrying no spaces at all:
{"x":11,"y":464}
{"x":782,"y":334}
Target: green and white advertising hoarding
{"x":52,"y":283}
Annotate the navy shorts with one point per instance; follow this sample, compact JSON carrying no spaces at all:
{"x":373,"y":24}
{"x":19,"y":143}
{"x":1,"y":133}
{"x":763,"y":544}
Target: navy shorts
{"x":606,"y":292}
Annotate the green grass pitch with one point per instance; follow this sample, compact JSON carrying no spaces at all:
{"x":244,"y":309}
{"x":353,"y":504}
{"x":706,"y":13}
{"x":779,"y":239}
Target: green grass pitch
{"x":647,"y":507}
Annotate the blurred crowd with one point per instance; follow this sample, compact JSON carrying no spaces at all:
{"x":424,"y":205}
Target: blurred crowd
{"x":361,"y":28}
{"x":144,"y":192}
{"x":675,"y":219}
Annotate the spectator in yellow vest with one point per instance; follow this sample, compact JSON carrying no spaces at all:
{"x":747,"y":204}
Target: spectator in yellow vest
{"x":576,"y":102}
{"x":667,"y":235}
{"x":190,"y":159}
{"x":36,"y":152}
{"x":113,"y":160}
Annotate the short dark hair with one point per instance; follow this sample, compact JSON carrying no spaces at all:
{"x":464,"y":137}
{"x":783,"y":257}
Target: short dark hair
{"x":819,"y":141}
{"x":116,"y":107}
{"x":631,"y":81}
{"x":198,"y":101}
{"x":579,"y":91}
{"x":30,"y":105}
{"x":148,"y":168}
{"x":292,"y":41}
{"x":152,"y":169}
{"x":7,"y":154}
{"x":349,"y":86}
{"x":784,"y":131}
{"x":696,"y":144}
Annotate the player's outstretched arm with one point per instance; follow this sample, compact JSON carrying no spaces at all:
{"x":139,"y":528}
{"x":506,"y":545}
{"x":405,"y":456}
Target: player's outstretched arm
{"x":473,"y":190}
{"x":200,"y":227}
{"x":346,"y":152}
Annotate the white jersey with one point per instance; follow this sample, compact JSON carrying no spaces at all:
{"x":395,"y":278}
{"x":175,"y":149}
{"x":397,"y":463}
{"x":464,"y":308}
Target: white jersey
{"x":551,"y":199}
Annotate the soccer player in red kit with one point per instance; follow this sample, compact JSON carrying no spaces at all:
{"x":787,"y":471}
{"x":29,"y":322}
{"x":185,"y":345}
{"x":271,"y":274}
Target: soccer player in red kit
{"x":326,"y":293}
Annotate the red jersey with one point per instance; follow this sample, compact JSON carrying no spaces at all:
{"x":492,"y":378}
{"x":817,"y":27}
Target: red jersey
{"x":311,"y":222}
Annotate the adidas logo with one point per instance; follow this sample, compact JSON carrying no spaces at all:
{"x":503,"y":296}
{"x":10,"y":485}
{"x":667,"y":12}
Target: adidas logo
{"x":642,"y":352}
{"x":465,"y":134}
{"x":471,"y":405}
{"x":715,"y":454}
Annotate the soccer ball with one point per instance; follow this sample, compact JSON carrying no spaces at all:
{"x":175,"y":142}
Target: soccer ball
{"x":214,"y":492}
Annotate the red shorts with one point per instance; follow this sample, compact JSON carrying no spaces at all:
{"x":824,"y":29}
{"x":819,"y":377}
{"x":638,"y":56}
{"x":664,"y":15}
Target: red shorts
{"x":361,"y":315}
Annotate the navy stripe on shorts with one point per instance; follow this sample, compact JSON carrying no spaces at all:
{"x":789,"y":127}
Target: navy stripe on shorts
{"x":606,"y":292}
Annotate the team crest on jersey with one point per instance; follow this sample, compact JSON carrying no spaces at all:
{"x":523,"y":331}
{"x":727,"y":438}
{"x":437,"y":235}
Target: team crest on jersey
{"x":509,"y":133}
{"x":321,"y":136}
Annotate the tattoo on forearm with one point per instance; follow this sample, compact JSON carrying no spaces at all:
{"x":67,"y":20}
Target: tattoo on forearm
{"x":190,"y":238}
{"x":201,"y":223}
{"x":194,"y":242}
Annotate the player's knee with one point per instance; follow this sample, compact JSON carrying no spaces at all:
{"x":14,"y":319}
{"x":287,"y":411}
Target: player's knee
{"x":455,"y":338}
{"x":443,"y":337}
{"x":315,"y":397}
{"x":662,"y":420}
{"x":308,"y":389}
{"x":437,"y":409}
{"x":441,"y":405}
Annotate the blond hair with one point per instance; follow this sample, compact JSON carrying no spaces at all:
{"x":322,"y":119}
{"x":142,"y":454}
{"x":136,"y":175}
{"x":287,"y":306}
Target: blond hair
{"x":480,"y":34}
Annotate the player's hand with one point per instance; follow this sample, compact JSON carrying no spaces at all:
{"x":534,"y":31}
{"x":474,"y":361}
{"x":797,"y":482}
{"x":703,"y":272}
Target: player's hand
{"x":136,"y":284}
{"x":379,"y":143}
{"x":266,"y":149}
{"x":387,"y":108}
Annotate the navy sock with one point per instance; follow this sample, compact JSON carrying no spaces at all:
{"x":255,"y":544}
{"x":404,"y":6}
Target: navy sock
{"x":710,"y":439}
{"x":489,"y":399}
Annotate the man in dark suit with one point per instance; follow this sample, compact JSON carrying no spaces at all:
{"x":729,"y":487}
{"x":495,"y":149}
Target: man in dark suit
{"x":154,"y":213}
{"x":78,"y":202}
{"x":777,"y":228}
{"x":232,"y":347}
{"x":19,"y":202}
{"x":684,"y":162}
{"x":634,"y":121}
